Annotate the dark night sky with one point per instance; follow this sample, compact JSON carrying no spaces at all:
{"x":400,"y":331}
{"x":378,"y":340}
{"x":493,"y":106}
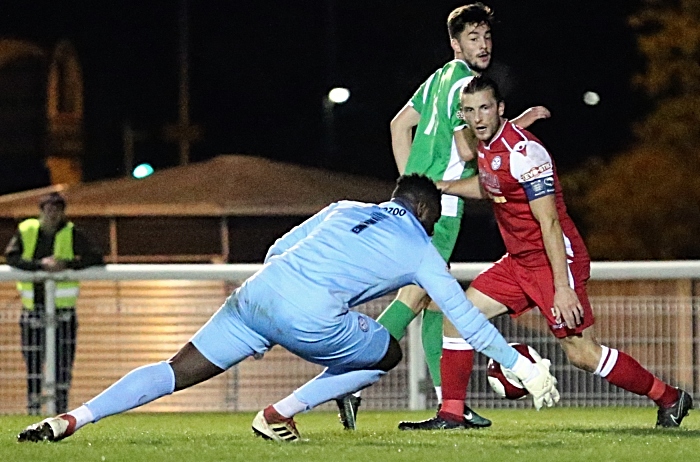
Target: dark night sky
{"x":259,"y":70}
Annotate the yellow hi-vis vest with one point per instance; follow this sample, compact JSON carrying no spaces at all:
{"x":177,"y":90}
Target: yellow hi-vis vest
{"x":66,"y":291}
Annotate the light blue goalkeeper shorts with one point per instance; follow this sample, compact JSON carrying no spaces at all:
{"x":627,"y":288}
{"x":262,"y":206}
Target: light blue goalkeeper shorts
{"x":251,"y":322}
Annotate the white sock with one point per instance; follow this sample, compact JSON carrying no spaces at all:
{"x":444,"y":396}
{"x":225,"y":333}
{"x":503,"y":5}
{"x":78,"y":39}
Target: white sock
{"x":438,"y":393}
{"x":289,"y":406}
{"x":455,"y":344}
{"x":82,"y":416}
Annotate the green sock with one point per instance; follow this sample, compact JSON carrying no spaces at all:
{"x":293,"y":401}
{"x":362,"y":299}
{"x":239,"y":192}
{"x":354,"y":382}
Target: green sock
{"x":432,"y":343}
{"x":396,"y":318}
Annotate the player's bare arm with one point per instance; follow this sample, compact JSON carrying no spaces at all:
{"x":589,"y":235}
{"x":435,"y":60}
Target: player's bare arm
{"x":566,"y":302}
{"x":466,"y":143}
{"x":402,"y":135}
{"x":467,"y":188}
{"x":531,"y":115}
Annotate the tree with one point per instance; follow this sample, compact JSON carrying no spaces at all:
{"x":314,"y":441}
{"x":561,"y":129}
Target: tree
{"x":645,"y":204}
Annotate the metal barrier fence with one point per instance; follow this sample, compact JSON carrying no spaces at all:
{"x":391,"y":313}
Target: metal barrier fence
{"x":130,"y":315}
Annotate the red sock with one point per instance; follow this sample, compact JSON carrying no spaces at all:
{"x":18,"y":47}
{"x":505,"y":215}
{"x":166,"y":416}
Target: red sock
{"x":455,"y":370}
{"x":663,"y":394}
{"x":272,"y":416}
{"x":71,"y":425}
{"x":624,"y":371}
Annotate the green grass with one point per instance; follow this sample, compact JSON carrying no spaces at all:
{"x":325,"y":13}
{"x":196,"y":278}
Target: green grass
{"x":564,"y":434}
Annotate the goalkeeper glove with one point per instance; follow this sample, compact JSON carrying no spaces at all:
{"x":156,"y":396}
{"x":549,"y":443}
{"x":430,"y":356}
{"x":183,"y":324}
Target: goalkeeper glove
{"x":539,"y":382}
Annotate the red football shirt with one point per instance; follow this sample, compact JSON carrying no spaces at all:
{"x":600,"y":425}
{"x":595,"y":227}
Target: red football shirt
{"x":515,"y":168}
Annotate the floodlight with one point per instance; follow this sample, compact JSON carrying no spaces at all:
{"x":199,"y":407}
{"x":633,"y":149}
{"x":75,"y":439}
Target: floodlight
{"x":339,"y":95}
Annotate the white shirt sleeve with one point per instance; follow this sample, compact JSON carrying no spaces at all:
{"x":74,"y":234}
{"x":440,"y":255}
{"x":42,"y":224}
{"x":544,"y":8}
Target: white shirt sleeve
{"x":529,"y":160}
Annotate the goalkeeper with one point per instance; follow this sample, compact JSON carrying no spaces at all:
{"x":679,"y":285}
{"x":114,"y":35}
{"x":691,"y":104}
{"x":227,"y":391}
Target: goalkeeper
{"x":345,"y":255}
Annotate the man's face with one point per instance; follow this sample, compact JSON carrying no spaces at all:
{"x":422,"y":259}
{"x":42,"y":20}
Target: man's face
{"x":428,"y":216}
{"x":51,"y":216}
{"x":483,"y":114}
{"x":474,"y":45}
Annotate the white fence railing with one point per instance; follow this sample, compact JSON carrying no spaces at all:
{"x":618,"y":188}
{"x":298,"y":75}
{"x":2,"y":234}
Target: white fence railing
{"x":624,"y":270}
{"x":660,"y":330}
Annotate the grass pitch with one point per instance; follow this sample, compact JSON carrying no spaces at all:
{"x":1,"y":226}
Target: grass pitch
{"x":564,"y":434}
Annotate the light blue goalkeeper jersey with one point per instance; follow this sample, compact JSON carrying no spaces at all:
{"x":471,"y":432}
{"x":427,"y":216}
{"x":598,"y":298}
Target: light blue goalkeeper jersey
{"x":352,"y":252}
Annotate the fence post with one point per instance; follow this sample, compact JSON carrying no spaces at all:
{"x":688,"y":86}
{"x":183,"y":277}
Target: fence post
{"x":416,"y":366}
{"x":50,"y":349}
{"x":694,"y":309}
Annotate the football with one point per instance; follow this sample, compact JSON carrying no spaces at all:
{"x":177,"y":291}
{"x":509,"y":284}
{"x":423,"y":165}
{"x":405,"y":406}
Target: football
{"x":503,"y":381}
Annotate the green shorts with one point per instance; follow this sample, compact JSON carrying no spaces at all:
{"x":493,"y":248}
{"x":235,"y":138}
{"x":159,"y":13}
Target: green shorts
{"x":447,"y":227}
{"x":445,"y":235}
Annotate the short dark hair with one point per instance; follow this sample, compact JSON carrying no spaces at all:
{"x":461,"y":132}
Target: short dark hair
{"x":480,"y":83}
{"x":417,"y":188}
{"x":474,"y":13}
{"x":53,"y":198}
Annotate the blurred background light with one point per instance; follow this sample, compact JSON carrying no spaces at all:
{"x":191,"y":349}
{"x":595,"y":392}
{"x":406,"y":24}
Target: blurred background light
{"x":339,"y":95}
{"x":142,"y":171}
{"x":591,"y":98}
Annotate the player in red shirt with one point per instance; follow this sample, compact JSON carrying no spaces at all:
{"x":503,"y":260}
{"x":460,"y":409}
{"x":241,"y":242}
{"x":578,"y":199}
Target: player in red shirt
{"x":546,"y":264}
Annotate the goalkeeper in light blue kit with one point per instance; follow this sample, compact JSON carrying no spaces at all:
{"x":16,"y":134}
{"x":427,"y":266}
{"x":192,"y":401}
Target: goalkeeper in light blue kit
{"x":345,"y":255}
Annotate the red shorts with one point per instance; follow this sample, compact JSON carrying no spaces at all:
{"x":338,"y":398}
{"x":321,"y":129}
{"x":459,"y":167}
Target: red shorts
{"x":521,"y":288}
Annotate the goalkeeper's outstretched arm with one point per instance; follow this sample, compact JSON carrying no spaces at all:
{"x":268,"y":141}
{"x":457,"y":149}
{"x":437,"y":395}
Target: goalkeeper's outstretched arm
{"x":473,"y":326}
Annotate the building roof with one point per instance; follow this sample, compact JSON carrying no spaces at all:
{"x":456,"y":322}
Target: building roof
{"x":11,"y":50}
{"x":227,"y":185}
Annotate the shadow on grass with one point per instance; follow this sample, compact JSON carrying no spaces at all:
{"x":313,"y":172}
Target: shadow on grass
{"x":642,"y":432}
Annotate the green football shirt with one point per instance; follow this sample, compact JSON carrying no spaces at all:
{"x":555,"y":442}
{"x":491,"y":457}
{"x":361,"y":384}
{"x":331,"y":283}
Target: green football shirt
{"x":434,"y":153}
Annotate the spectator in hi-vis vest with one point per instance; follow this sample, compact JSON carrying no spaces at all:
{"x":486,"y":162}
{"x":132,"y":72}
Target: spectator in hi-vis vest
{"x":50,"y":243}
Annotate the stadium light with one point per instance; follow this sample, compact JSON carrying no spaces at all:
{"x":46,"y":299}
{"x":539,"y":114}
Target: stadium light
{"x":142,"y":171}
{"x":591,"y":98}
{"x":339,"y":95}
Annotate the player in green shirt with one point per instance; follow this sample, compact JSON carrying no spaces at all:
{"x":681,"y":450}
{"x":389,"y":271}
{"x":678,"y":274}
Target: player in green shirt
{"x":436,"y":150}
{"x":442,"y":150}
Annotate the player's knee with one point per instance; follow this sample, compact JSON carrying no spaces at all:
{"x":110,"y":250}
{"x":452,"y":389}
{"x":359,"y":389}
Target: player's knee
{"x":414,"y":297}
{"x":392,"y":357}
{"x":581,"y":357}
{"x":581,"y":363}
{"x":430,"y":305}
{"x":190,"y":367}
{"x":449,"y":330}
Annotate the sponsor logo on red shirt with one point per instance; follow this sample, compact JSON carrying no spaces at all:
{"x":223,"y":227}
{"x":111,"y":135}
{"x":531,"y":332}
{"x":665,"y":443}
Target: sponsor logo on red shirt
{"x":535,"y":171}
